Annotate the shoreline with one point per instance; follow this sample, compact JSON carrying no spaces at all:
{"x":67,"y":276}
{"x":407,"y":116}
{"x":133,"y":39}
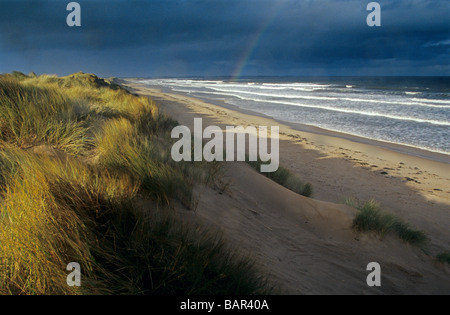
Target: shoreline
{"x":409,"y":185}
{"x":308,"y":244}
{"x":397,"y":147}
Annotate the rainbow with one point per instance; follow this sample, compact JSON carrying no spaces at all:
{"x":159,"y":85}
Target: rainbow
{"x":253,"y":44}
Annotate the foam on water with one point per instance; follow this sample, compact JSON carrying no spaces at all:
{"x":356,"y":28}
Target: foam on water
{"x":413,"y":112}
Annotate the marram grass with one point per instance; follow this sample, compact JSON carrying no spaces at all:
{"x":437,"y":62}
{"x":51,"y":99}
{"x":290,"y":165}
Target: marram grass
{"x":443,"y":258}
{"x":285,"y":178}
{"x":99,"y":192}
{"x":372,"y":218}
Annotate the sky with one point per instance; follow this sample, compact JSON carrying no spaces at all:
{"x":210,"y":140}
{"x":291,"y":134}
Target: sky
{"x":184,"y":38}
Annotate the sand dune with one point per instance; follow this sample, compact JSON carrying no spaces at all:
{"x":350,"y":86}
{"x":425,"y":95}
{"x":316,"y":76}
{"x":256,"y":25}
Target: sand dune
{"x":308,"y":244}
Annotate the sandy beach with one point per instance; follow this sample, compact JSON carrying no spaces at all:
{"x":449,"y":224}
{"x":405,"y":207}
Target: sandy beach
{"x":307,"y":244}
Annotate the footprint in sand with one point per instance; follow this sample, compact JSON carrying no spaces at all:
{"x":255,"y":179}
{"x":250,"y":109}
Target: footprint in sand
{"x":409,"y":179}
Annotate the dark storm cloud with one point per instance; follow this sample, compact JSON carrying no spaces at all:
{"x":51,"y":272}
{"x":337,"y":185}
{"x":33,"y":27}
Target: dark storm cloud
{"x":213,"y":36}
{"x":117,"y":24}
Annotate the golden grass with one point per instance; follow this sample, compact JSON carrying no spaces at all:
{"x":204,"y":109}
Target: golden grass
{"x":99,"y":192}
{"x":47,"y":216}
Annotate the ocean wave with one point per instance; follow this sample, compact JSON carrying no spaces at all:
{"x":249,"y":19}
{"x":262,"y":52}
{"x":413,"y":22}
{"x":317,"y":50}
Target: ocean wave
{"x":431,"y":101}
{"x":365,"y":113}
{"x":330,"y":108}
{"x":327,"y":98}
{"x":399,"y":115}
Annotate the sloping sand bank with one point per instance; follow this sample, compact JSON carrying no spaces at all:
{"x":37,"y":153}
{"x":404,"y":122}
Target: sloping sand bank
{"x":308,"y":244}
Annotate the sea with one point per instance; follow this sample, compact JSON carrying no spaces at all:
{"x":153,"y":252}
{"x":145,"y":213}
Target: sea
{"x":411,"y":111}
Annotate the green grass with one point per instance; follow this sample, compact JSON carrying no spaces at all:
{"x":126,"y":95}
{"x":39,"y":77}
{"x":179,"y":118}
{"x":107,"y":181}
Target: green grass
{"x":105,"y":199}
{"x":285,"y":178}
{"x":186,"y":258}
{"x":443,"y":258}
{"x":372,"y":218}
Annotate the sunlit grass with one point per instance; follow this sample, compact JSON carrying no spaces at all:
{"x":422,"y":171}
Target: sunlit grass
{"x":31,"y":115}
{"x":103,"y":198}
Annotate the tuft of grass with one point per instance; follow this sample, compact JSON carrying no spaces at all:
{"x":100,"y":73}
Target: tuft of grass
{"x":443,"y":258}
{"x":285,"y":178}
{"x":123,"y":149}
{"x":179,"y":257}
{"x":19,"y":75}
{"x":371,"y":218}
{"x":31,"y":115}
